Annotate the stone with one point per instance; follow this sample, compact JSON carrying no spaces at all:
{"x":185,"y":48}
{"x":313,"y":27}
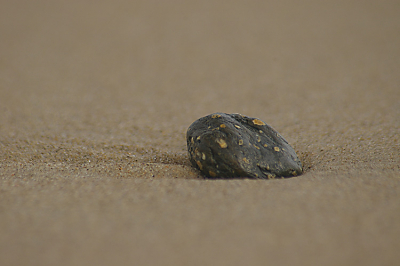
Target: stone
{"x":224,"y":145}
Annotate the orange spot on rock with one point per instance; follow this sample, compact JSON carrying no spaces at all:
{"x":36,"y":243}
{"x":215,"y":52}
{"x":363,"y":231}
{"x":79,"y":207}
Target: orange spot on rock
{"x":258,"y":122}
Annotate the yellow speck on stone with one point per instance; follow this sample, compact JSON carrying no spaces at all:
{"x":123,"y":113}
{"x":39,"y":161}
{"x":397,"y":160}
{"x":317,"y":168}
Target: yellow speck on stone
{"x":258,"y":139}
{"x":246,"y":160}
{"x":265,"y":145}
{"x":256,"y":147}
{"x":258,"y":122}
{"x":199,"y":165}
{"x":276,"y":148}
{"x":222,"y":126}
{"x":213,"y":174}
{"x":237,"y":126}
{"x":198,"y":138}
{"x":222,"y":143}
{"x":215,"y":116}
{"x":294,"y":173}
{"x":240,"y":142}
{"x":203,"y":156}
{"x":196,"y":151}
{"x":261,"y":131}
{"x":191,"y":140}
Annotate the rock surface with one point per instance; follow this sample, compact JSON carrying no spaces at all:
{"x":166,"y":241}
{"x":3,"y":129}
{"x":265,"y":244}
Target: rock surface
{"x":233,"y":145}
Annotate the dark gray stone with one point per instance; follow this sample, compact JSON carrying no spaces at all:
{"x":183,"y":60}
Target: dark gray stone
{"x":233,"y":145}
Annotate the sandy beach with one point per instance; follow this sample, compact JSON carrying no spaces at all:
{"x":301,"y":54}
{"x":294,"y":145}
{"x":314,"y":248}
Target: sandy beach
{"x":96,"y":98}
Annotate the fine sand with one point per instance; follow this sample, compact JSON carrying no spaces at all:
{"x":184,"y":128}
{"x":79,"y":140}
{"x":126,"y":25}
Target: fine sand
{"x":96,"y":97}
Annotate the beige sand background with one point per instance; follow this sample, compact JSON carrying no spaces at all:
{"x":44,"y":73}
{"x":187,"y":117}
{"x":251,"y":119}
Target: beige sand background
{"x":96,"y":97}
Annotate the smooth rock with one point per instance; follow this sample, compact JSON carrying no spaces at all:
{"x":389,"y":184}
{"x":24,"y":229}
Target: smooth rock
{"x":233,"y":145}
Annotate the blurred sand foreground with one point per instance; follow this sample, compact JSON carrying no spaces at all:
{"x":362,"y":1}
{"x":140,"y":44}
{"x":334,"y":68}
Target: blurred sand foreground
{"x":96,"y":97}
